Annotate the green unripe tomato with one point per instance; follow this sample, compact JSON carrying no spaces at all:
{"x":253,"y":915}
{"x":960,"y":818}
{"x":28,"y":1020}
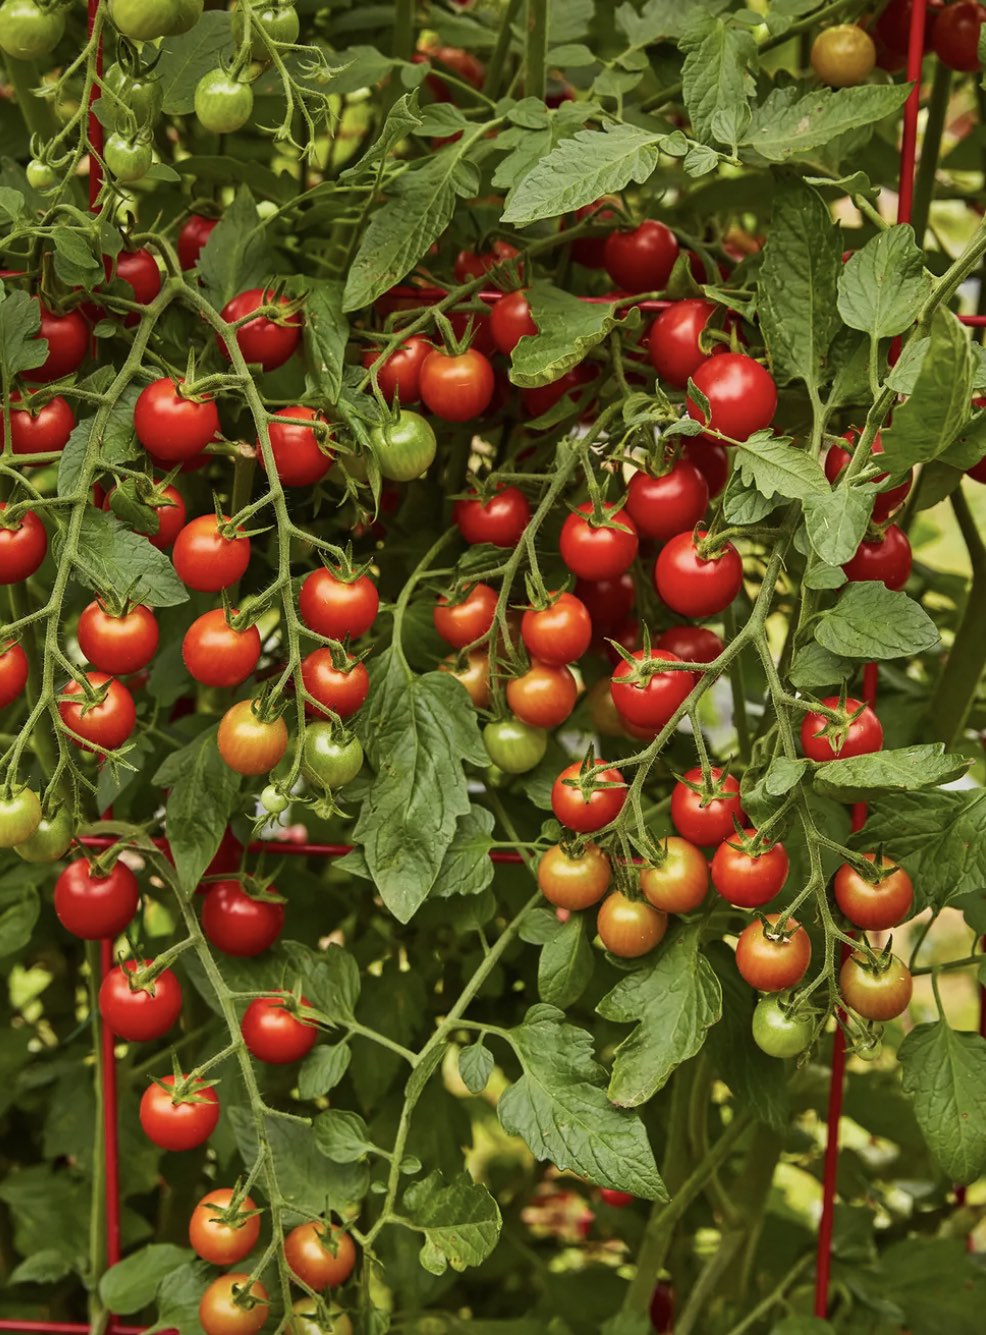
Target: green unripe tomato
{"x":273,"y":800}
{"x":779,"y":1032}
{"x":41,"y":175}
{"x":144,"y":20}
{"x":189,"y":13}
{"x":127,"y":159}
{"x":20,"y":816}
{"x":50,"y":840}
{"x":143,"y":96}
{"x":26,"y":31}
{"x":328,"y":759}
{"x":222,"y":103}
{"x":404,"y":448}
{"x":279,"y":22}
{"x":513,"y":746}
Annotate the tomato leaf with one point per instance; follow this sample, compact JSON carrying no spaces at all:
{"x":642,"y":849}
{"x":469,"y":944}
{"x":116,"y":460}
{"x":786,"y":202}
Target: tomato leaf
{"x":185,"y":58}
{"x":859,"y":778}
{"x":475,"y":1066}
{"x":235,"y":256}
{"x":303,"y":1180}
{"x":342,"y":1136}
{"x":567,"y":330}
{"x":20,"y":906}
{"x":836,"y":520}
{"x":937,"y":1283}
{"x":323,"y":1069}
{"x":716,"y":78}
{"x":20,"y":320}
{"x":204,"y":793}
{"x":786,"y":126}
{"x":117,"y":443}
{"x":330,"y":978}
{"x":460,"y":1220}
{"x":939,"y":838}
{"x":944,"y":1074}
{"x":179,"y":1295}
{"x":566,"y":963}
{"x":757,"y":1081}
{"x":873,"y":622}
{"x":132,"y":1283}
{"x":938,"y":408}
{"x":882,"y":286}
{"x":776,"y":467}
{"x":114,"y":560}
{"x":326,"y":334}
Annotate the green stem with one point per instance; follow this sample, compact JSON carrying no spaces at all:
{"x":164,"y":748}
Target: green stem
{"x":767,"y":1304}
{"x":708,"y":1282}
{"x":959,"y":681}
{"x":536,"y":50}
{"x":924,"y":182}
{"x":97,"y":1203}
{"x":38,"y":113}
{"x":504,"y":37}
{"x":737,"y":682}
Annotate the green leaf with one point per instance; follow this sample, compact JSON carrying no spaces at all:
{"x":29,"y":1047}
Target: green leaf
{"x":111,"y":559}
{"x":882,"y":286}
{"x":836,"y":520}
{"x":776,"y":467}
{"x":185,"y":58}
{"x":305,"y":1181}
{"x":460,"y":1221}
{"x":326,"y":335}
{"x":937,"y":1283}
{"x":860,"y":778}
{"x":967,"y":447}
{"x":417,"y":732}
{"x":19,"y":908}
{"x":797,"y":290}
{"x":179,"y":1296}
{"x":467,"y":868}
{"x":46,"y":1266}
{"x":939,"y":838}
{"x":235,"y":256}
{"x":527,"y":146}
{"x":927,"y":422}
{"x":873,"y":622}
{"x":786,"y":126}
{"x":566,"y":964}
{"x":671,"y":1001}
{"x":342,"y":1136}
{"x":560,"y":1109}
{"x":944,"y":1074}
{"x":330,"y":979}
{"x":204,"y":794}
{"x":656,"y":19}
{"x":323,"y":1069}
{"x":758,"y":1082}
{"x":117,"y":442}
{"x":20,"y":321}
{"x":802,"y":1325}
{"x":716,"y":78}
{"x":132,"y":1283}
{"x":475,"y":1066}
{"x":814,"y":667}
{"x":404,"y":118}
{"x":784,"y":774}
{"x":75,"y":259}
{"x":568,"y":328}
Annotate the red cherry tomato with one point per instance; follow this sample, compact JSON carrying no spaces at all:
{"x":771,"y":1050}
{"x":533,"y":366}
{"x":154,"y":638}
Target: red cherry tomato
{"x":469,"y":265}
{"x":742,"y":395}
{"x":457,"y":388}
{"x":337,"y":608}
{"x":574,"y":883}
{"x":876,"y":992}
{"x":96,"y":907}
{"x":616,"y":1200}
{"x":692,"y":644}
{"x":273,"y":1034}
{"x":641,"y":260}
{"x":543,"y":398}
{"x":139,"y":1014}
{"x":629,"y":928}
{"x":837,"y":458}
{"x":673,"y":341}
{"x":179,"y":1122}
{"x":543,"y":696}
{"x":892,"y":31}
{"x":222,"y":1313}
{"x":68,"y":343}
{"x":262,"y":341}
{"x":711,"y":460}
{"x":238,"y":924}
{"x":601,"y":807}
{"x":749,"y":880}
{"x":400,"y":375}
{"x":862,"y":736}
{"x":874,"y":906}
{"x":692,"y":585}
{"x":511,"y":320}
{"x":321,"y":1257}
{"x":887,"y":559}
{"x":195,"y":232}
{"x":955,"y":36}
{"x":652,"y":703}
{"x":39,"y":430}
{"x":680,"y":883}
{"x":171,"y":427}
{"x":559,"y":633}
{"x":107,"y":724}
{"x":219,"y":1242}
{"x":705,"y":818}
{"x":608,"y":601}
{"x":769,"y":962}
{"x":500,"y":521}
{"x":594,"y":551}
{"x":672,"y":503}
{"x":216,"y":654}
{"x":342,"y":692}
{"x":22,"y":548}
{"x":460,"y":623}
{"x":590,"y":251}
{"x":118,"y":645}
{"x":205,"y":560}
{"x":298,"y":458}
{"x":139,"y":269}
{"x":14,"y":669}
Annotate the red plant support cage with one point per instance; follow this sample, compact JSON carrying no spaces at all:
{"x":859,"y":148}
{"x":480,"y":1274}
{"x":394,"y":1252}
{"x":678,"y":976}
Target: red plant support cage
{"x":835,"y":1096}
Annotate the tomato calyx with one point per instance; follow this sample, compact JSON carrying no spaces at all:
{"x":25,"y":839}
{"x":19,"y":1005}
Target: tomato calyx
{"x":589,"y":779}
{"x":181,"y":1088}
{"x":713,"y":787}
{"x":234,"y":1214}
{"x":838,"y":721}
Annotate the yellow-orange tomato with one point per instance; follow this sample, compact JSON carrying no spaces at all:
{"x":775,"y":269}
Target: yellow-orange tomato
{"x":217,"y":1242}
{"x":629,"y":927}
{"x":320,"y":1262}
{"x":574,"y":883}
{"x":843,"y":56}
{"x":679,"y":884}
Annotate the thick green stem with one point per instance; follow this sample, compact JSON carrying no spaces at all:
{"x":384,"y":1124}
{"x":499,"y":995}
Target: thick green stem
{"x":38,"y":112}
{"x":924,"y":181}
{"x":494,"y":69}
{"x":97,"y":1203}
{"x":536,"y":50}
{"x":959,"y":682}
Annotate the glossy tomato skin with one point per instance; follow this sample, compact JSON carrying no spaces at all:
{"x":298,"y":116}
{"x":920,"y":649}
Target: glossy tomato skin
{"x":236,"y":923}
{"x":273,"y":1034}
{"x":778,"y":1031}
{"x":955,"y":36}
{"x":543,"y":398}
{"x":217,"y":1242}
{"x":650,"y":704}
{"x":96,"y":907}
{"x":608,"y":601}
{"x":195,"y":232}
{"x":337,"y":608}
{"x":142,"y":1014}
{"x":673,"y":341}
{"x":543,"y":696}
{"x":887,"y":560}
{"x":320,"y":1257}
{"x":559,"y":633}
{"x":22,"y":549}
{"x":68,"y":343}
{"x":641,"y":260}
{"x":178,"y":1125}
{"x":473,"y":676}
{"x":706,"y":821}
{"x":711,"y":460}
{"x":107,"y":724}
{"x":269,"y":343}
{"x":298,"y":459}
{"x":221,"y":1314}
{"x":249,"y":744}
{"x":330,"y":760}
{"x":172,"y":427}
{"x":880,"y":993}
{"x":680,"y":883}
{"x":14,"y":669}
{"x":404,"y":448}
{"x":590,"y":251}
{"x":616,"y":1200}
{"x":863,"y":736}
{"x":343,"y":692}
{"x":574,"y":883}
{"x":500,"y":521}
{"x":511,"y":320}
{"x":461,"y":623}
{"x":749,"y":880}
{"x":587,"y":816}
{"x":692,"y":644}
{"x":216,"y":654}
{"x":843,"y":55}
{"x":597,"y":551}
{"x":693,"y":586}
{"x":769,"y":962}
{"x":741,"y":393}
{"x":629,"y":928}
{"x":205,"y":560}
{"x":45,"y":431}
{"x":672,"y":503}
{"x":400,"y":375}
{"x":118,"y":645}
{"x":457,"y":388}
{"x":20,"y":817}
{"x":875,"y":907}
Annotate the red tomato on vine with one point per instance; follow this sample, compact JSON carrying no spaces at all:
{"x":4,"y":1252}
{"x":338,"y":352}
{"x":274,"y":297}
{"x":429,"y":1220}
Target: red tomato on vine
{"x":179,"y":1120}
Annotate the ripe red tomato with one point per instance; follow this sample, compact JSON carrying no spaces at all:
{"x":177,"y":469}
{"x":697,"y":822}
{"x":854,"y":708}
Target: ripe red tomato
{"x":262,"y":341}
{"x":641,"y":260}
{"x":298,"y":458}
{"x":469,"y":265}
{"x":400,"y":375}
{"x":171,"y":514}
{"x":239,"y":924}
{"x":887,"y":559}
{"x":139,"y":1014}
{"x":273,"y":1034}
{"x":320,"y":1256}
{"x":672,"y":503}
{"x":608,"y":601}
{"x":341,"y":691}
{"x":749,"y":880}
{"x":248,"y":743}
{"x":892,"y":32}
{"x":543,"y":696}
{"x":543,"y":398}
{"x":876,"y":992}
{"x":692,"y":644}
{"x":651,"y":703}
{"x":706,"y":818}
{"x":837,"y":458}
{"x":178,"y":1121}
{"x":139,"y":269}
{"x":216,"y":654}
{"x":460,"y":623}
{"x":68,"y":342}
{"x":680,"y":883}
{"x":590,"y":251}
{"x":96,"y":907}
{"x":335,"y":607}
{"x":629,"y":928}
{"x":769,"y":962}
{"x":118,"y":644}
{"x":205,"y":560}
{"x":574,"y":883}
{"x":673,"y":341}
{"x":874,"y":906}
{"x":741,"y":393}
{"x":955,"y":36}
{"x":22,"y":548}
{"x":107,"y":724}
{"x":695,"y":586}
{"x":511,"y":320}
{"x":39,"y":430}
{"x":220,"y":1312}
{"x":586,"y":815}
{"x":14,"y":669}
{"x":195,"y":232}
{"x":977,"y":472}
{"x":616,"y":1200}
{"x":172,"y":426}
{"x":711,"y":460}
{"x":860,"y":737}
{"x":456,"y":387}
{"x":597,"y":551}
{"x":500,"y":521}
{"x":223,"y":1242}
{"x":559,"y":633}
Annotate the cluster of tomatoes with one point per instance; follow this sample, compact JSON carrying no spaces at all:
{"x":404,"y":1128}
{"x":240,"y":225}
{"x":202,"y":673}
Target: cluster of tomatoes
{"x":847,"y":53}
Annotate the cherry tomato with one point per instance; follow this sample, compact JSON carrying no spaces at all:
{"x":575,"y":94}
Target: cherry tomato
{"x":693,"y":585}
{"x":68,"y":344}
{"x":118,"y":644}
{"x":51,"y":839}
{"x":876,"y":991}
{"x":955,"y":36}
{"x":692,"y":644}
{"x":893,"y":29}
{"x":223,"y":102}
{"x":711,"y":460}
{"x":887,"y":559}
{"x":312,"y":1318}
{"x":249,"y":744}
{"x":336,"y":608}
{"x":195,"y":232}
{"x":456,"y":387}
{"x":629,"y":928}
{"x":216,"y":654}
{"x":616,"y":1200}
{"x":220,"y":1312}
{"x":320,"y":1256}
{"x":542,"y":398}
{"x":239,"y":924}
{"x":28,"y":32}
{"x":138,"y":269}
{"x":107,"y":724}
{"x":500,"y":521}
{"x":590,"y":251}
{"x":511,"y":320}
{"x":874,"y":906}
{"x":22,"y":548}
{"x":650,"y":703}
{"x":780,"y":1031}
{"x":837,"y":458}
{"x":597,"y":551}
{"x":574,"y":882}
{"x":460,"y":623}
{"x":96,"y":907}
{"x":543,"y":696}
{"x":273,"y":1034}
{"x":559,"y":633}
{"x":216,"y":1241}
{"x":338,"y":690}
{"x":672,"y":503}
{"x":680,"y":883}
{"x":586,"y":815}
{"x":262,"y":341}
{"x":859,"y":738}
{"x":843,"y":56}
{"x":404,"y":448}
{"x":298,"y":457}
{"x":741,"y":393}
{"x":706,"y":818}
{"x":674,"y":341}
{"x":771,"y":962}
{"x":139,"y":1014}
{"x":514,"y":747}
{"x":14,"y":669}
{"x":39,"y":430}
{"x":178,"y":1121}
{"x":206,"y":560}
{"x":608,"y":601}
{"x":749,"y":880}
{"x":171,"y":513}
{"x":172,"y":426}
{"x":641,"y":260}
{"x":469,"y":265}
{"x":400,"y":375}
{"x":474,"y":677}
{"x":20,"y":817}
{"x":329,"y":759}
{"x":143,"y":21}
